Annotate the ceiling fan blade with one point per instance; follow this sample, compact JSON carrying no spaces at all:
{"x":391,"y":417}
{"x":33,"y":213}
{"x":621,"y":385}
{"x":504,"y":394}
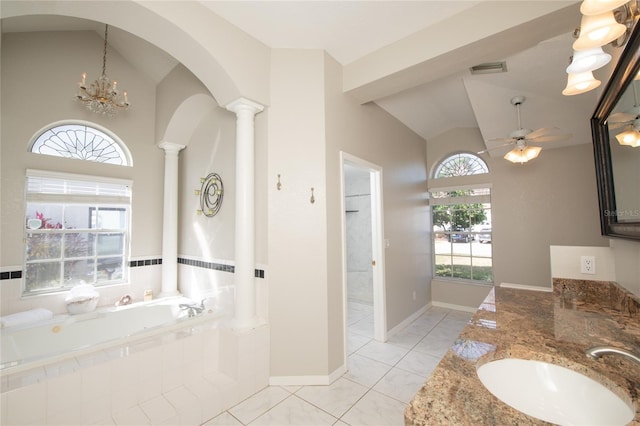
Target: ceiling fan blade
{"x":550,"y":138}
{"x":620,"y":117}
{"x":484,"y":151}
{"x":503,"y":140}
{"x":619,"y":124}
{"x":543,"y":132}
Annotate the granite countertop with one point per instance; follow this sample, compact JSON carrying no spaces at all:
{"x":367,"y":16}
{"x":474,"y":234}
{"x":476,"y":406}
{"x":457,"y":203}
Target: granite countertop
{"x":555,"y":327}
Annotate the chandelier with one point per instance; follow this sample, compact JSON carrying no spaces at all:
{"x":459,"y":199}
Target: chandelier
{"x":102,"y":97}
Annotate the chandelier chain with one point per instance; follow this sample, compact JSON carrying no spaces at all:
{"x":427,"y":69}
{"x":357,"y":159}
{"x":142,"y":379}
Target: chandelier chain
{"x":104,"y":54}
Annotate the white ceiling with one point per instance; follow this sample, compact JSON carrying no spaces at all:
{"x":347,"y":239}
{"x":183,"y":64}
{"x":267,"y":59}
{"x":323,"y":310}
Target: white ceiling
{"x":350,"y":30}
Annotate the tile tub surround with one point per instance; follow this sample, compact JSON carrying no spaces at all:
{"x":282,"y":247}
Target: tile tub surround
{"x":186,"y":376}
{"x":554,"y":327}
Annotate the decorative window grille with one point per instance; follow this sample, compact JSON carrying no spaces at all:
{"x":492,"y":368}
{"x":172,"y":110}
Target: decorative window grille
{"x":461,"y":164}
{"x":82,"y":142}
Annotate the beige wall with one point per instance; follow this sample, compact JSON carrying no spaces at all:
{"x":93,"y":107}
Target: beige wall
{"x":370,"y":133}
{"x":36,"y":96}
{"x":549,"y":201}
{"x":310,"y":122}
{"x":297,"y":228}
{"x":626,"y":256}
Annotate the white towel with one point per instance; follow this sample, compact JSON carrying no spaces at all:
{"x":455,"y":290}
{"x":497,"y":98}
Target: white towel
{"x":26,"y":317}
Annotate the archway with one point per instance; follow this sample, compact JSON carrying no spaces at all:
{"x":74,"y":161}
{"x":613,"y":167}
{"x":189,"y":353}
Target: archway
{"x":190,"y":37}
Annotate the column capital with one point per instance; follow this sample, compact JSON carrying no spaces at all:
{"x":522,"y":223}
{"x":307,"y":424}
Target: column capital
{"x":170,"y":147}
{"x":243,"y":104}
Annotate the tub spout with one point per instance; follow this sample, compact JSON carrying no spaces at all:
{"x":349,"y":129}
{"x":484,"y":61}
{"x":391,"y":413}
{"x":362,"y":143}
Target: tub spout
{"x":598,"y":351}
{"x":193,"y":310}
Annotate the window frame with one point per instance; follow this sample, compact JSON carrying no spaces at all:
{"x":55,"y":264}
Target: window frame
{"x":65,"y":200}
{"x":439,"y":194}
{"x":470,"y":236}
{"x":455,"y":155}
{"x":124,"y":153}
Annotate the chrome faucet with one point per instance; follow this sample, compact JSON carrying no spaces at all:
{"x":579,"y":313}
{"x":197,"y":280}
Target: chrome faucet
{"x":193,"y":310}
{"x":597,"y":351}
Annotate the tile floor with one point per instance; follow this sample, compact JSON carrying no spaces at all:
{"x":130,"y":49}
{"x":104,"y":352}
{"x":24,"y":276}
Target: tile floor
{"x":382,"y":377}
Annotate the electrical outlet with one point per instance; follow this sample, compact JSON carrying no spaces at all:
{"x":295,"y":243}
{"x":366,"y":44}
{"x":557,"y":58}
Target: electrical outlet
{"x":588,"y":265}
{"x":414,"y":295}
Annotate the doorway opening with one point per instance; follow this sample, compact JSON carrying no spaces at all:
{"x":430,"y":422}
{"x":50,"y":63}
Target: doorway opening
{"x":363,"y":252}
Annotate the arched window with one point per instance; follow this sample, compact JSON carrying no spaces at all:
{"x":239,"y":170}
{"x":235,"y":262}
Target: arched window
{"x":81,"y":141}
{"x":461,"y":219}
{"x":77,"y":227}
{"x":461,"y":164}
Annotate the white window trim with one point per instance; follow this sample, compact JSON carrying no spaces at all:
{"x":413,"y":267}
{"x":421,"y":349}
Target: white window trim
{"x":75,"y":176}
{"x":70,"y":198}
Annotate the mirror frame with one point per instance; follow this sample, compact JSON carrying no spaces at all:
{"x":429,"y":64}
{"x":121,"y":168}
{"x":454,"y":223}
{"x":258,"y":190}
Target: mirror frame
{"x":622,"y":76}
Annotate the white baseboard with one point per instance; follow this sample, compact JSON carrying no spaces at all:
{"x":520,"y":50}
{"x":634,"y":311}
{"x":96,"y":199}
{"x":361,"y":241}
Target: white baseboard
{"x":308,"y":380}
{"x":408,"y":320}
{"x":454,"y":307}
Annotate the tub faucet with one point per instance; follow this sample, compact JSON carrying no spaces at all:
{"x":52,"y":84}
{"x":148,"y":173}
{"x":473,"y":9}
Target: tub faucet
{"x":597,"y":351}
{"x":193,"y":310}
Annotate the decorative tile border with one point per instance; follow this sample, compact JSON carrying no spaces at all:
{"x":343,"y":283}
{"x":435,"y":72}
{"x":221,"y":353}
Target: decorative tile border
{"x":207,"y":265}
{"x":10,"y":275}
{"x":145,"y":262}
{"x":259,"y":273}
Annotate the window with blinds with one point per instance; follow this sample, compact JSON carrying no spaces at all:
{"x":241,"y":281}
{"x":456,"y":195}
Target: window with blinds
{"x":76,"y":231}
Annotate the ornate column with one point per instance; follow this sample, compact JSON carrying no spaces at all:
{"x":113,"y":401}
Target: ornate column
{"x":170,"y":220}
{"x":244,"y":277}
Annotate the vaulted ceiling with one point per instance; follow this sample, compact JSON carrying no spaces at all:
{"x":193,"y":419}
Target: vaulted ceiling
{"x":431,"y":96}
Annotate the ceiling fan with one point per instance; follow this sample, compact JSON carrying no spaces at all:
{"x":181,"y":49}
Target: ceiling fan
{"x":627,"y":124}
{"x":626,"y":118}
{"x":521,"y":137}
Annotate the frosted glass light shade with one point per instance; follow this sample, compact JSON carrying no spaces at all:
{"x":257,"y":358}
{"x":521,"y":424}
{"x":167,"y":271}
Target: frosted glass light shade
{"x":596,"y":7}
{"x":629,"y":138}
{"x":598,"y":30}
{"x":522,"y":155}
{"x":588,"y":60}
{"x":580,"y":83}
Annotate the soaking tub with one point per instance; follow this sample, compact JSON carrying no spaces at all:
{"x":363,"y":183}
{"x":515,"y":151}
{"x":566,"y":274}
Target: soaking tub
{"x":23,"y":347}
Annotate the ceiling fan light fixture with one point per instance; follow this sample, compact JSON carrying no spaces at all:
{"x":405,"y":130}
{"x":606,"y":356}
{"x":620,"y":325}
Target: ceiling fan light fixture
{"x":588,"y":60}
{"x":629,"y":138}
{"x":580,"y":83}
{"x":597,"y":7}
{"x":598,"y":30}
{"x":522,"y":154}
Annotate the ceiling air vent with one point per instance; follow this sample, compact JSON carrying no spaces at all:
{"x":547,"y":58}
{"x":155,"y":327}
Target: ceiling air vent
{"x":489,"y":68}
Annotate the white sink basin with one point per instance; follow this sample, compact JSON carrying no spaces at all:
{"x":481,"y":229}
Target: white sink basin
{"x":554,"y":394}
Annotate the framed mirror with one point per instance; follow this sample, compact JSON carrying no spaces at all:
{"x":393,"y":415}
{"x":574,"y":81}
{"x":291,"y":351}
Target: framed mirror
{"x":618,"y":165}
